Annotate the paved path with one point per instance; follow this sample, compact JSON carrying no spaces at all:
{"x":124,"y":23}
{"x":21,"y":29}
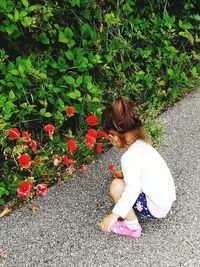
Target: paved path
{"x":64,"y":231}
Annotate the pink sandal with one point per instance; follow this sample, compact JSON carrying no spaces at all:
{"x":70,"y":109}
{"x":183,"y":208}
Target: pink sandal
{"x":120,"y":228}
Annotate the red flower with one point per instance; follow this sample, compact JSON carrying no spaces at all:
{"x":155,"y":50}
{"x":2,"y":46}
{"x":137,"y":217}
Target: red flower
{"x":56,"y":159}
{"x":24,"y":189}
{"x":14,"y":134}
{"x":67,"y":161}
{"x":71,"y":146}
{"x":33,"y":145}
{"x":50,"y":130}
{"x":83,"y":168}
{"x":24,"y":161}
{"x":69,"y":111}
{"x":99,"y":148}
{"x":26,"y":137}
{"x":42,"y":189}
{"x":102,"y":135}
{"x":111,"y":168}
{"x":92,"y":132}
{"x":91,"y":120}
{"x":90,"y":141}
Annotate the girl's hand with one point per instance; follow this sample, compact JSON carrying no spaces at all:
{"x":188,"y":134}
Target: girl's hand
{"x":107,"y":223}
{"x":118,"y":174}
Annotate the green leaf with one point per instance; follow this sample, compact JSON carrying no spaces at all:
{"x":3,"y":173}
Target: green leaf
{"x":69,"y":55}
{"x":72,"y":95}
{"x":194,"y":71}
{"x":42,"y":37}
{"x":79,"y":80}
{"x":170,"y":72}
{"x":42,"y":111}
{"x":25,"y":3}
{"x":11,"y":95}
{"x":186,"y":34}
{"x":2,"y":202}
{"x":16,"y":15}
{"x":68,"y":33}
{"x":69,"y":79}
{"x":62,"y":38}
{"x":27,"y":21}
{"x":14,"y":72}
{"x":77,"y":92}
{"x":47,"y":114}
{"x":184,"y":26}
{"x":3,"y":4}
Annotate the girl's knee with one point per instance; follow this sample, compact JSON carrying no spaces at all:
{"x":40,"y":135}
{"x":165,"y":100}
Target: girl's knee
{"x":116,"y":188}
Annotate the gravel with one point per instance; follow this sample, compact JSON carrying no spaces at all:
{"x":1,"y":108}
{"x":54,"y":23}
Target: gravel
{"x":64,"y":231}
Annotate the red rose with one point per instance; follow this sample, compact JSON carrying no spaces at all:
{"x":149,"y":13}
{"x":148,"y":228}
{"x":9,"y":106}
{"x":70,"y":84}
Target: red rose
{"x":26,"y":137}
{"x":102,"y":135}
{"x":33,"y":145}
{"x":99,"y":148}
{"x":71,"y":146}
{"x":69,"y":111}
{"x":50,"y":130}
{"x":24,"y":189}
{"x":67,"y":161}
{"x":56,"y":159}
{"x":92,"y":132}
{"x":24,"y":161}
{"x":42,"y":189}
{"x":111,"y":168}
{"x":90,"y":141}
{"x":14,"y":134}
{"x":91,"y":120}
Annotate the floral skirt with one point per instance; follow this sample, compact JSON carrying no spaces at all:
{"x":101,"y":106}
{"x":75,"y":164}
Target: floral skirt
{"x":141,"y":207}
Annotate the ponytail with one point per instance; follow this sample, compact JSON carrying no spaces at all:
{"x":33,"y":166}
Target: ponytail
{"x":121,"y":117}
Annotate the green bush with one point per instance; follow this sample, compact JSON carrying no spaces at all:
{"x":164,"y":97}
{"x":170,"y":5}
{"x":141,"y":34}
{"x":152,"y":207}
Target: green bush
{"x":81,"y":53}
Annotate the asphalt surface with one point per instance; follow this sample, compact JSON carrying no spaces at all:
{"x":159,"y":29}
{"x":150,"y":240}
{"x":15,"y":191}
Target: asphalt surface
{"x":65,"y":229}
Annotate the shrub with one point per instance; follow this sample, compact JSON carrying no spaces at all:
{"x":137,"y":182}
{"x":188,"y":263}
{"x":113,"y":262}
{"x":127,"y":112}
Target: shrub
{"x":82,"y":54}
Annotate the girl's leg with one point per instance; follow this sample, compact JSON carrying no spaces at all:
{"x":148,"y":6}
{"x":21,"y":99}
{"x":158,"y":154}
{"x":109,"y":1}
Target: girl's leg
{"x":116,"y":189}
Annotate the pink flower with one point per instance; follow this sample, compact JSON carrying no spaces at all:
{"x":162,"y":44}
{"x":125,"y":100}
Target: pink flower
{"x":56,"y":159}
{"x":42,"y":189}
{"x":91,"y":120}
{"x":50,"y":130}
{"x":99,"y":148}
{"x":139,"y":206}
{"x":24,"y":161}
{"x":14,"y":134}
{"x":83,"y":168}
{"x":24,"y":189}
{"x":69,"y":111}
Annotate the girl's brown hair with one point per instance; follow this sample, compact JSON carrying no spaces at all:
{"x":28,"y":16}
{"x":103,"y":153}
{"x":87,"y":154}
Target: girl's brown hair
{"x":121,"y":117}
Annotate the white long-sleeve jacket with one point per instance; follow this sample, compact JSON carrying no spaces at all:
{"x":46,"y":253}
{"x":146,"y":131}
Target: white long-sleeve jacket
{"x":145,"y":171}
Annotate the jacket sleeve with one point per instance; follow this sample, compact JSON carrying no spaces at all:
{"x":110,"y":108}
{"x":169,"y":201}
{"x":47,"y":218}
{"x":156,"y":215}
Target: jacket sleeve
{"x":131,"y":171}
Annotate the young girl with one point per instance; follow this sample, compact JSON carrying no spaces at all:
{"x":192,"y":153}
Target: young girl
{"x":147,"y":186}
